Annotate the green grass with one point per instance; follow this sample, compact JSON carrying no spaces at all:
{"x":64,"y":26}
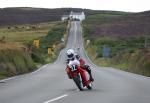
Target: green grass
{"x":117,"y":45}
{"x":15,"y":59}
{"x":53,"y":37}
{"x":128,"y":55}
{"x":136,"y":63}
{"x":14,"y":62}
{"x":25,"y":33}
{"x":126,"y":52}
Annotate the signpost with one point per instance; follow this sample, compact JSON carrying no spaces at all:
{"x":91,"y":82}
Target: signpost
{"x":106,"y":52}
{"x":50,"y":51}
{"x":36,"y":43}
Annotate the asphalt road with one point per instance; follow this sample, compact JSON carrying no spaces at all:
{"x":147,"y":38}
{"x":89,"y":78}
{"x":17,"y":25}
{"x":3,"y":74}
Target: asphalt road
{"x":50,"y":83}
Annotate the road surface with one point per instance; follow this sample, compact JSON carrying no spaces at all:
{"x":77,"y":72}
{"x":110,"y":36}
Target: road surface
{"x":50,"y":83}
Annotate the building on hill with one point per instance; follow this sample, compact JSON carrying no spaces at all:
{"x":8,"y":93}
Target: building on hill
{"x":74,"y":16}
{"x":77,"y":15}
{"x":64,"y":17}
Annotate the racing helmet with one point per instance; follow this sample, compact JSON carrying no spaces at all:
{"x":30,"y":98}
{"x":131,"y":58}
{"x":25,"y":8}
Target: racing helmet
{"x":70,"y":53}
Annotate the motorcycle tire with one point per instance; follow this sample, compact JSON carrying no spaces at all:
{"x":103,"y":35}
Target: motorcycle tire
{"x":89,"y":86}
{"x":78,"y":82}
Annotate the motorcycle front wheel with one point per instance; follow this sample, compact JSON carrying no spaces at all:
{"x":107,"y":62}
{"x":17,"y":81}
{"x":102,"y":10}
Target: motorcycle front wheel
{"x":78,"y":82}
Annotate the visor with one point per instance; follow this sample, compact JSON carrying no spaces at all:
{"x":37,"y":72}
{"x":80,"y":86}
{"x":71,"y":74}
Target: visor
{"x":70,"y":56}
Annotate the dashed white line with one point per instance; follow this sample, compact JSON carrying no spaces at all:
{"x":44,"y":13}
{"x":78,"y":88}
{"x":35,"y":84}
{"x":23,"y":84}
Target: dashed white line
{"x":57,"y":98}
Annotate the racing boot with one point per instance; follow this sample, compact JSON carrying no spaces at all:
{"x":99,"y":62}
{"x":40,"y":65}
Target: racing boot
{"x":91,"y":78}
{"x":88,"y":69}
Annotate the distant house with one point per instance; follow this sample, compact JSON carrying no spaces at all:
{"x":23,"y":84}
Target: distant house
{"x":65,"y":17}
{"x":77,"y":15}
{"x":74,"y":16}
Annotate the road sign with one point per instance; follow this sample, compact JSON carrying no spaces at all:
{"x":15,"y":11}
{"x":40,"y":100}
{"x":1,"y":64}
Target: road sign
{"x":106,"y":52}
{"x":50,"y":51}
{"x":36,"y":43}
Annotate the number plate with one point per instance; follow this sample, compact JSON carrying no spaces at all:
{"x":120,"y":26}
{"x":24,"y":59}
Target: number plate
{"x":73,"y":68}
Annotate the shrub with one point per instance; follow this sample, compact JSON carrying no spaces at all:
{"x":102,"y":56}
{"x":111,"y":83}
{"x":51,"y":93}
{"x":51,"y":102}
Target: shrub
{"x":16,"y":61}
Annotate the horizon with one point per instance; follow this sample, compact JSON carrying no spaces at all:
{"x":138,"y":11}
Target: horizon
{"x":70,"y":8}
{"x":107,"y":5}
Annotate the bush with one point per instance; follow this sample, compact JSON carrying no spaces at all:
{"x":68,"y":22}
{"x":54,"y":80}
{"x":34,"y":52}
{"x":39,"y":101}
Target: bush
{"x":16,"y":62}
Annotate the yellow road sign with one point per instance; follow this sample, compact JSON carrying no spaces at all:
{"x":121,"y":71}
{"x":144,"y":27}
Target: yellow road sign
{"x":50,"y":51}
{"x":36,"y":43}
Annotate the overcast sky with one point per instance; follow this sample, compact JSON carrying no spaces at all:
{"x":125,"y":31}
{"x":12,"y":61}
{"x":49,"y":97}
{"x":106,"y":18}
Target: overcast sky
{"x":119,"y":5}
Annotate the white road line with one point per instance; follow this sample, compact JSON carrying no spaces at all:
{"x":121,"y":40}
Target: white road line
{"x":39,"y":69}
{"x":45,"y":66}
{"x":3,"y":80}
{"x":57,"y":98}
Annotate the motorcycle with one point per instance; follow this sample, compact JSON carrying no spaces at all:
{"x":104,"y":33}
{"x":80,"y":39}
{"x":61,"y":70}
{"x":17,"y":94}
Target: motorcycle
{"x":79,"y":76}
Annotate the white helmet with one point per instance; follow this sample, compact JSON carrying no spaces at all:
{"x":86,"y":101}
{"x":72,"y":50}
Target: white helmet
{"x":70,"y":53}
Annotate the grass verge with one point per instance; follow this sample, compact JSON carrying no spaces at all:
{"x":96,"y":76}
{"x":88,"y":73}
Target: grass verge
{"x":18,"y":55}
{"x":126,"y":36}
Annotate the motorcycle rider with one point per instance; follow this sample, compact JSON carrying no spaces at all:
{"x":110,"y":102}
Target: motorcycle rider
{"x":72,"y":56}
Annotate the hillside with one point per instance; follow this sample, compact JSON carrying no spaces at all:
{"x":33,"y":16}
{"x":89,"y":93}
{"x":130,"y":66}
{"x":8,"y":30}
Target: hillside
{"x":119,"y":24}
{"x":127,"y":35}
{"x":13,"y":16}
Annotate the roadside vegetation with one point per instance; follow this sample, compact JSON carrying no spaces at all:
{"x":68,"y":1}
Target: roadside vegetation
{"x":18,"y":55}
{"x":125,"y":34}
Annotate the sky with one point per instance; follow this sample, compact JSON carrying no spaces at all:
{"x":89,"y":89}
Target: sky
{"x":117,"y":5}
